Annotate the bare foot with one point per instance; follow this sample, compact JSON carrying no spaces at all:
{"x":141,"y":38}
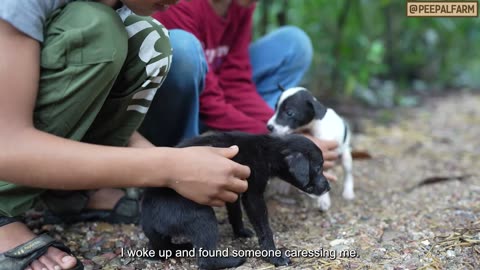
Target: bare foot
{"x":15,"y":234}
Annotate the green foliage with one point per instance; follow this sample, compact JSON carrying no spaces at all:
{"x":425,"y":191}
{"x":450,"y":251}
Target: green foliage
{"x":357,"y":41}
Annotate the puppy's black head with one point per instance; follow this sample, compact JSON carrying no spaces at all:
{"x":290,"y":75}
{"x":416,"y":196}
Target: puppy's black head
{"x":303,"y":165}
{"x":295,"y":109}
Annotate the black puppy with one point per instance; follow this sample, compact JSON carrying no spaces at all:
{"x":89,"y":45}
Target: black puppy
{"x":292,"y":158}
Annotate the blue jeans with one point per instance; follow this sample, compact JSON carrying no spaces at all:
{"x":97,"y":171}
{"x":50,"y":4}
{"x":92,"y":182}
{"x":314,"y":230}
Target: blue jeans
{"x":281,"y":57}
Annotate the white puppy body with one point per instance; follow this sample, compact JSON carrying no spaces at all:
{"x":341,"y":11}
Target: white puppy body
{"x":326,"y":125}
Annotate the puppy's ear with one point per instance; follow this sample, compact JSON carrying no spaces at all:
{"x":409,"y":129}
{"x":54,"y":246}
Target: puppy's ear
{"x":318,"y":108}
{"x":299,"y":167}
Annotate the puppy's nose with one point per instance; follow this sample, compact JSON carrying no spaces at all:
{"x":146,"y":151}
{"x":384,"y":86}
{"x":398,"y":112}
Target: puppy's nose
{"x":270,"y":127}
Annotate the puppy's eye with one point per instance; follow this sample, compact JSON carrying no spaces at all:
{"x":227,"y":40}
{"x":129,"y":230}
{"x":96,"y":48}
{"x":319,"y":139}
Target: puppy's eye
{"x":290,"y":113}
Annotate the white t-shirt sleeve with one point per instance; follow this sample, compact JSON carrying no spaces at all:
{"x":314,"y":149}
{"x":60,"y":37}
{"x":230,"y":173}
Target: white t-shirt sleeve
{"x":29,"y":16}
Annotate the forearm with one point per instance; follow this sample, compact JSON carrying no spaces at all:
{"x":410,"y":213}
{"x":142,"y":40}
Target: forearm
{"x":33,"y":158}
{"x":138,"y":141}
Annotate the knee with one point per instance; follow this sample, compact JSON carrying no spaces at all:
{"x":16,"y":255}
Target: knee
{"x":101,"y":35}
{"x":300,"y":44}
{"x":189,"y":66}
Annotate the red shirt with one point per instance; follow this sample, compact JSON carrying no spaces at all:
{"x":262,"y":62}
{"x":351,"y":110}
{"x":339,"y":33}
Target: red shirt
{"x":230,"y":100}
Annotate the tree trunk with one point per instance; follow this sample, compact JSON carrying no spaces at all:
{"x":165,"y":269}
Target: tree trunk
{"x":282,"y":17}
{"x":265,"y":7}
{"x":342,"y":19}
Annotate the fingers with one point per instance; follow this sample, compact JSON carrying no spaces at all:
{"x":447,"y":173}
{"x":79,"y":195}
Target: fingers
{"x":228,"y":196}
{"x":328,"y":165}
{"x":324,"y":145}
{"x":237,"y":186}
{"x":216,"y":203}
{"x":330,"y":145}
{"x":229,"y":152}
{"x":222,"y":198}
{"x":241,"y":171}
{"x":330,"y":155}
{"x":330,"y":177}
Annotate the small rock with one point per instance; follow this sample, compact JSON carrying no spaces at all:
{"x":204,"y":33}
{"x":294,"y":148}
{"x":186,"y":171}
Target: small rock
{"x":89,"y":255}
{"x":87,"y":262}
{"x":47,"y":227}
{"x":116,"y":262}
{"x":108,"y":245}
{"x":450,"y":253}
{"x":341,"y":241}
{"x":425,"y":242}
{"x":337,"y":242}
{"x":104,"y":227}
{"x":100,"y":260}
{"x":140,"y":265}
{"x":390,"y":235}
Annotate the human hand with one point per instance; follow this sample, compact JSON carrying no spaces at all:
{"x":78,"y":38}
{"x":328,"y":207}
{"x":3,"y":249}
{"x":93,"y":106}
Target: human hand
{"x":329,"y":152}
{"x":207,"y":175}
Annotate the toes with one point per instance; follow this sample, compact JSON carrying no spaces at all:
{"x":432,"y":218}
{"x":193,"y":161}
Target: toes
{"x":48,"y":262}
{"x":61,"y":258}
{"x":37,"y":265}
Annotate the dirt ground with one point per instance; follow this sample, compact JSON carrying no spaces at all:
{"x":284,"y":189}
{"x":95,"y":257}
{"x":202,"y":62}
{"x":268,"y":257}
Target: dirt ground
{"x":417,"y":204}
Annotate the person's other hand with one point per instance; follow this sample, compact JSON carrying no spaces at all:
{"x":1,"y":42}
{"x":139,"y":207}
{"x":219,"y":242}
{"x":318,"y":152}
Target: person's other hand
{"x":330,"y":154}
{"x":207,"y":175}
{"x":330,"y":177}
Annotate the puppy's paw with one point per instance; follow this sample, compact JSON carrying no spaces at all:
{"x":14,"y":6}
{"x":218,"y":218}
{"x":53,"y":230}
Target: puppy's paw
{"x":244,"y":233}
{"x":279,"y":261}
{"x":348,"y":194}
{"x":323,"y":202}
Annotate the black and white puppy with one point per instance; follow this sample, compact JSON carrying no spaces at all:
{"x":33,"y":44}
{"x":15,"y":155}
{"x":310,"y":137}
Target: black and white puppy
{"x":293,"y":158}
{"x":298,"y":110}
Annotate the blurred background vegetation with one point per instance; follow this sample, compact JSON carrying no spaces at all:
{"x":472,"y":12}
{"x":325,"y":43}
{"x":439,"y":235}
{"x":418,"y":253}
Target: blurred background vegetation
{"x":369,"y":51}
